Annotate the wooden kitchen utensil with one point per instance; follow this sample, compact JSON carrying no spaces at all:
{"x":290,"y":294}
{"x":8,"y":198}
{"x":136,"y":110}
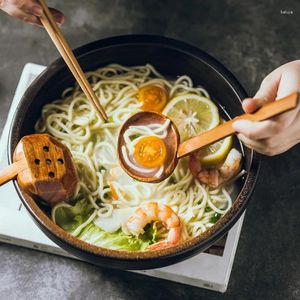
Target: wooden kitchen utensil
{"x":65,"y":51}
{"x":177,"y":150}
{"x":44,"y":169}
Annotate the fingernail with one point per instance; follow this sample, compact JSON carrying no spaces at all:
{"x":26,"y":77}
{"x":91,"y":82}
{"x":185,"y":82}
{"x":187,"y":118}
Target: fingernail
{"x":59,"y":23}
{"x":59,"y":20}
{"x":235,"y":125}
{"x":238,"y":125}
{"x":37,"y":10}
{"x":249,"y":105}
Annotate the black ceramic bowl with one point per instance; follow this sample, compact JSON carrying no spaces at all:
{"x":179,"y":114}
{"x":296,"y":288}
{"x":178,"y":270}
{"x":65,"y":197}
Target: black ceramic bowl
{"x":171,"y":58}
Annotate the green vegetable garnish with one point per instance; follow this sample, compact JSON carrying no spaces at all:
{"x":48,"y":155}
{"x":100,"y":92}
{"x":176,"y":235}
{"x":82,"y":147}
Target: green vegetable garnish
{"x":172,"y":180}
{"x":215,"y":218}
{"x":135,"y":136}
{"x":69,"y":218}
{"x":118,"y":240}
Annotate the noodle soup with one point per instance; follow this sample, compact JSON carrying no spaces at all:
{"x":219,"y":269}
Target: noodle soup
{"x":107,"y":201}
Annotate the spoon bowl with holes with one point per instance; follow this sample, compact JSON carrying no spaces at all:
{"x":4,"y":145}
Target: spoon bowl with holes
{"x":43,"y":168}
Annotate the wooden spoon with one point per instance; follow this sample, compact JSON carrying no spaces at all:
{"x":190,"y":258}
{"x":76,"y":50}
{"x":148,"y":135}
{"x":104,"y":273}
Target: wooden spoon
{"x":176,"y":150}
{"x":44,"y":169}
{"x":172,"y":142}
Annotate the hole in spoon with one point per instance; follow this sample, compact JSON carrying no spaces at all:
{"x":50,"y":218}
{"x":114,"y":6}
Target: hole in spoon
{"x":37,"y":161}
{"x":60,"y":161}
{"x":48,"y":161}
{"x":51,"y":174}
{"x":46,"y":149}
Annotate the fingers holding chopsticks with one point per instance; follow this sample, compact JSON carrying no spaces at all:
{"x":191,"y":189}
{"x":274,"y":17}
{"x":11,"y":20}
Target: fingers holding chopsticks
{"x":29,"y":11}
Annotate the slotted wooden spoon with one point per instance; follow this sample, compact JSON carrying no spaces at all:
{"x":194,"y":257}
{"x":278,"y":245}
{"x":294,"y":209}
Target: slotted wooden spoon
{"x":177,"y":150}
{"x":43,"y":168}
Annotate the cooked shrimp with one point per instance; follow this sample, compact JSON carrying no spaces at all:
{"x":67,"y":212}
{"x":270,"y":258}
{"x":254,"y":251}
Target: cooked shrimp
{"x":216,"y":177}
{"x":153,"y":211}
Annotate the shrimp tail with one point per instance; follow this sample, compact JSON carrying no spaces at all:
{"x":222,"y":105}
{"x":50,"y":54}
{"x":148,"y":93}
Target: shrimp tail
{"x":152,"y":211}
{"x":216,"y":177}
{"x":173,"y":239}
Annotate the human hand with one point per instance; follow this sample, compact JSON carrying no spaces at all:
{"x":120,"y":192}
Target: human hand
{"x":278,"y":134}
{"x":28,"y":11}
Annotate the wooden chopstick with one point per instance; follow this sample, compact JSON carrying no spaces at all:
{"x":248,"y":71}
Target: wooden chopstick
{"x":68,"y":56}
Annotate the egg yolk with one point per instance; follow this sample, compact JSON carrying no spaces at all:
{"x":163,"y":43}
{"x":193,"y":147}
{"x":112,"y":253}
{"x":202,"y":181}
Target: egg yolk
{"x":154,"y":98}
{"x":150,"y":152}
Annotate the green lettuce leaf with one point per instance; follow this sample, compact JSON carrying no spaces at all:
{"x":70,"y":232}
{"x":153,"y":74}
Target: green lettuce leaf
{"x":118,"y":240}
{"x":70,"y":217}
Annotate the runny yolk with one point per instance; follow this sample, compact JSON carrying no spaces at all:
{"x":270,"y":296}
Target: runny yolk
{"x":154,"y":98}
{"x":150,"y":152}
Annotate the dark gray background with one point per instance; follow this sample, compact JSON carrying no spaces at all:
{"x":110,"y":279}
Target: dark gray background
{"x":251,"y":38}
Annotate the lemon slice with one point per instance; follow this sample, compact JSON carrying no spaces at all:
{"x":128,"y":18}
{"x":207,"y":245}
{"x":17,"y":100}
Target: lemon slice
{"x":216,"y":153}
{"x":192,"y":114}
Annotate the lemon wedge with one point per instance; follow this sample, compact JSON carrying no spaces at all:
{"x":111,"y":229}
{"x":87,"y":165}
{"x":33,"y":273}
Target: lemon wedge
{"x":216,"y":153}
{"x":192,"y":114}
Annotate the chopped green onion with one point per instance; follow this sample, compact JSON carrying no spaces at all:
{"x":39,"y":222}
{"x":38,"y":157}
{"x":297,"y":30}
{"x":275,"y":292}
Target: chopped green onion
{"x":215,"y":218}
{"x":207,"y":209}
{"x":172,"y":180}
{"x":135,"y":136}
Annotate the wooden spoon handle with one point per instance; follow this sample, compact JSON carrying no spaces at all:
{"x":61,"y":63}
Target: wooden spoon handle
{"x":11,"y":171}
{"x":211,"y":136}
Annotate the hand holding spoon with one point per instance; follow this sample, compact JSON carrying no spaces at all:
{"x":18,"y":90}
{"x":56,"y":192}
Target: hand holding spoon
{"x":175,"y":150}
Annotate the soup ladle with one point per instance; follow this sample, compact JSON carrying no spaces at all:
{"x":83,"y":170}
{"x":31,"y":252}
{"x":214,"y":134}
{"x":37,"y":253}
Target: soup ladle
{"x":176,"y":150}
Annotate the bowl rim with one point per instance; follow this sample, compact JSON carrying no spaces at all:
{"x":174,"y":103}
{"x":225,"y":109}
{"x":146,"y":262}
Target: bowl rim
{"x":157,"y":258}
